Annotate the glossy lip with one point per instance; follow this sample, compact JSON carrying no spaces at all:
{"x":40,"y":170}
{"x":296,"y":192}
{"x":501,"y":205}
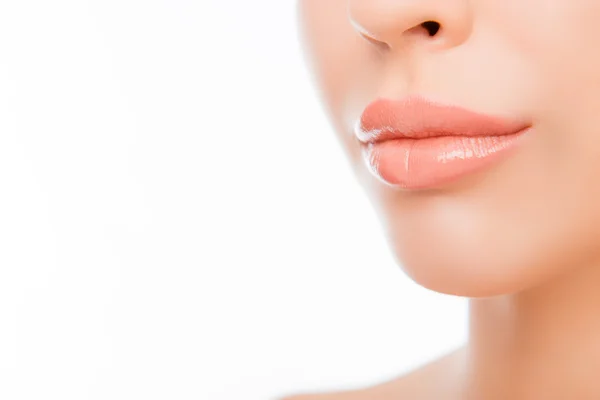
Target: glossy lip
{"x":415,"y":143}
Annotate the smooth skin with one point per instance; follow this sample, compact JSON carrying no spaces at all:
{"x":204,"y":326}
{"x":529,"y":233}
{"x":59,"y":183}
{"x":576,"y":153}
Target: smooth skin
{"x":521,"y":240}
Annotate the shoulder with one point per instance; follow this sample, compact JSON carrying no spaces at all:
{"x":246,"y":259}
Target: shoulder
{"x":432,"y":381}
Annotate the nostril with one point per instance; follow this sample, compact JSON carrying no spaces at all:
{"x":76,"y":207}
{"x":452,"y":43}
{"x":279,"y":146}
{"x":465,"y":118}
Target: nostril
{"x":432,"y":27}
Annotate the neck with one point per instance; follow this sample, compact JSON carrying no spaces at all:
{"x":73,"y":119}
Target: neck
{"x":543,"y":343}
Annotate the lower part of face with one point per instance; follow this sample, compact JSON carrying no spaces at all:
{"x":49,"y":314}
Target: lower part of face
{"x":525,"y":219}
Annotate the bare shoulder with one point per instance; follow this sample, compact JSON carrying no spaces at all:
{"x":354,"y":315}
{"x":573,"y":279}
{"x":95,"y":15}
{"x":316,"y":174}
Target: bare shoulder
{"x":432,"y":381}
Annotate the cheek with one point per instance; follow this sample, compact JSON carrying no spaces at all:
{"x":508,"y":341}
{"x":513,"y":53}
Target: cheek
{"x":566,"y":52}
{"x":343,"y":65}
{"x":330,"y":45}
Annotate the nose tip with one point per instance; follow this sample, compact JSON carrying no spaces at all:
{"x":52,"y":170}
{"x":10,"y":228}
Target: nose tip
{"x":391,"y":23}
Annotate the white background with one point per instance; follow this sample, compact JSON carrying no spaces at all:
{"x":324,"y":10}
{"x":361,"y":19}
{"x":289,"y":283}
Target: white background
{"x":177,"y":220}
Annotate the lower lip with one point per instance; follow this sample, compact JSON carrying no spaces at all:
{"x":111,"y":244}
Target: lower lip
{"x":437,"y":161}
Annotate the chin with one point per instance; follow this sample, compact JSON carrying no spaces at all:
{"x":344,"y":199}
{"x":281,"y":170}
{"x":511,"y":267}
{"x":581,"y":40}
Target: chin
{"x":467,"y":273}
{"x":483,"y":260}
{"x":450,"y":243}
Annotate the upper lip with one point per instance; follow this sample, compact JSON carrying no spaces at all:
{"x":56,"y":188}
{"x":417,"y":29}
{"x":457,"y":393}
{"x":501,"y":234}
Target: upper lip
{"x":416,"y":117}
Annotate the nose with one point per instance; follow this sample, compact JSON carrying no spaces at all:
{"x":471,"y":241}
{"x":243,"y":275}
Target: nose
{"x":394,"y":23}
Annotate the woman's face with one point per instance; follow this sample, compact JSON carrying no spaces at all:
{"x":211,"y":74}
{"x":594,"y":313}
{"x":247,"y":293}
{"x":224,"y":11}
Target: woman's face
{"x":469,"y":228}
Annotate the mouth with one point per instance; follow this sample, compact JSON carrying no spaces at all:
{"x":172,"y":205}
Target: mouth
{"x":418,"y":144}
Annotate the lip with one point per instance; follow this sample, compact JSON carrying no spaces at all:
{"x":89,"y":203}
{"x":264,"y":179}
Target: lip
{"x":415,"y":143}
